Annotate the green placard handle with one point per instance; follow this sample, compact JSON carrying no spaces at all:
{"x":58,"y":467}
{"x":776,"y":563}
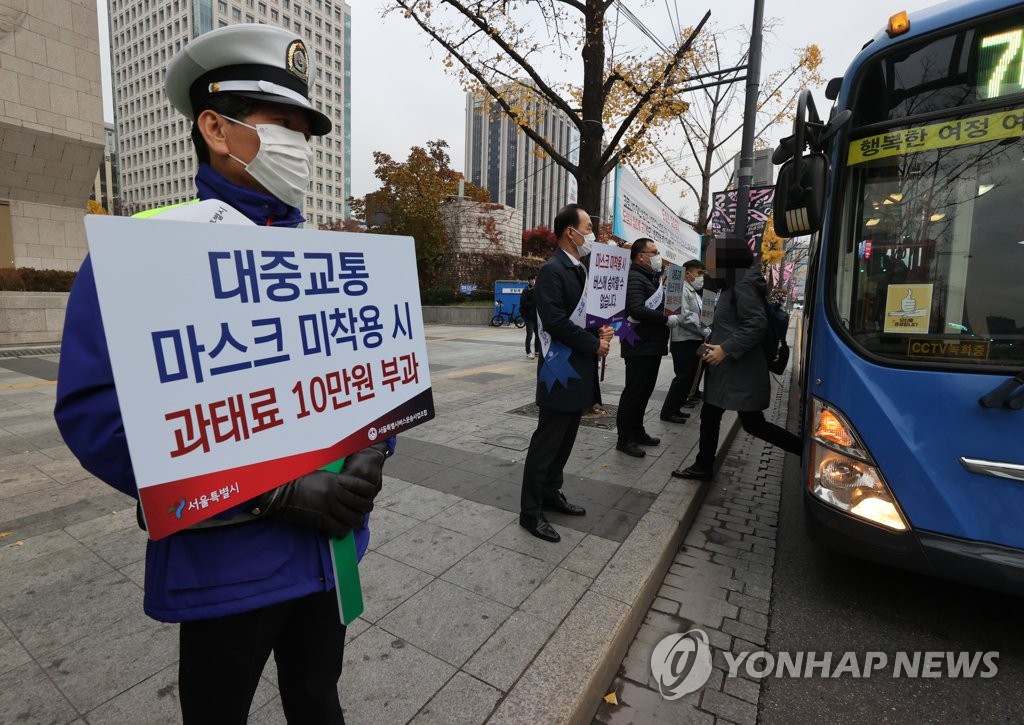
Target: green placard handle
{"x":346,"y":568}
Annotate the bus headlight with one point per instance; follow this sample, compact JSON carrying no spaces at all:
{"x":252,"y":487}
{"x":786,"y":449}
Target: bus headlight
{"x":843,"y":474}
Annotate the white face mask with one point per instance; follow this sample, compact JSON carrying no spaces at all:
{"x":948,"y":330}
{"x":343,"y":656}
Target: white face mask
{"x":283,"y":163}
{"x":656,"y":263}
{"x":588,"y":244}
{"x":698,"y":283}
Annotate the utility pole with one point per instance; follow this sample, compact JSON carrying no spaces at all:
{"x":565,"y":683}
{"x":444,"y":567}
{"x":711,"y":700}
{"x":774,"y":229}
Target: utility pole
{"x":746,"y":173}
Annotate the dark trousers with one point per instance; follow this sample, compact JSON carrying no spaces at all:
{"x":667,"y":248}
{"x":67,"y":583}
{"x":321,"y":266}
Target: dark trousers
{"x":531,"y":334}
{"x":753,"y":423}
{"x":549,"y":450}
{"x":685,"y":364}
{"x":641,"y":377}
{"x":222,"y":660}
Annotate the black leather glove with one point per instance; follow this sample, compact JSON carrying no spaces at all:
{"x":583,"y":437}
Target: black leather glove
{"x":367,"y":465}
{"x":329,"y":502}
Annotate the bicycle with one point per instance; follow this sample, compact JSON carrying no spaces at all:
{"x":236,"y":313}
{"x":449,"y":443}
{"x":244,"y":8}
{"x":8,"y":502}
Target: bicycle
{"x":507,"y":318}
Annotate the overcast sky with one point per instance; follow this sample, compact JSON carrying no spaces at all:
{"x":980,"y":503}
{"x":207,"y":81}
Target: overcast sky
{"x":401,"y":96}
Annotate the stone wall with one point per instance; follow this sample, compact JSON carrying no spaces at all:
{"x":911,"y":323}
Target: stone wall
{"x":476,"y":227}
{"x":47,"y":237}
{"x":445,"y":315}
{"x":51,"y":127}
{"x":31,"y":318}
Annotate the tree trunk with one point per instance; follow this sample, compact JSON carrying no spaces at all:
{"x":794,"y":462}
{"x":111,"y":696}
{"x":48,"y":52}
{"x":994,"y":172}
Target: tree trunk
{"x":588,"y":175}
{"x":703,"y":213}
{"x":589,"y":195}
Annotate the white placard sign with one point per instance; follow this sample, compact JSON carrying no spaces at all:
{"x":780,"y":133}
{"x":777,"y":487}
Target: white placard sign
{"x":708,"y":302}
{"x":674,"y":289}
{"x":245,"y":356}
{"x":606,"y":285}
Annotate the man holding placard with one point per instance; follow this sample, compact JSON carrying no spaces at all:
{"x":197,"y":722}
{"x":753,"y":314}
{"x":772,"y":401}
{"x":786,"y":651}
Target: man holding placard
{"x":567,"y":381}
{"x":645,"y":305}
{"x":685,"y":339}
{"x":257,"y":577}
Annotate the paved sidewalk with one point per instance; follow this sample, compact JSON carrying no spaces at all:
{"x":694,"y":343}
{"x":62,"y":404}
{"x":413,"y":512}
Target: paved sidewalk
{"x":720,"y":582}
{"x":469,"y":619}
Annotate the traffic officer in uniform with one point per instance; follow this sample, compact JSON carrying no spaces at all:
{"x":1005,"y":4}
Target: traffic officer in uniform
{"x":258,"y":578}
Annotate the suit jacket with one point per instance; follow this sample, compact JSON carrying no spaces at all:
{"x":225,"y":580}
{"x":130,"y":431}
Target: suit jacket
{"x":557,"y":292}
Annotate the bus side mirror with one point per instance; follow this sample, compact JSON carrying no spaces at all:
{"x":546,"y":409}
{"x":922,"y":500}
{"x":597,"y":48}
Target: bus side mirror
{"x":800,"y":202}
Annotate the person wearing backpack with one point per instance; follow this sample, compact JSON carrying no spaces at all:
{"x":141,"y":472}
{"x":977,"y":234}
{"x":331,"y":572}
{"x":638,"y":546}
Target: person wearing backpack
{"x":736,"y":376}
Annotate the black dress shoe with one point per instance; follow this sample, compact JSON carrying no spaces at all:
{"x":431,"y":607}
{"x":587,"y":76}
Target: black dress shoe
{"x":630,"y":449}
{"x":647,"y":440}
{"x":694,"y":472}
{"x":562,"y":506}
{"x":676,"y":417}
{"x":539,"y":527}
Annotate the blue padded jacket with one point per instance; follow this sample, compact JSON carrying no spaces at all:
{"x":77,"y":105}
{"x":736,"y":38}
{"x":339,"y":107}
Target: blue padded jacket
{"x":199,"y":574}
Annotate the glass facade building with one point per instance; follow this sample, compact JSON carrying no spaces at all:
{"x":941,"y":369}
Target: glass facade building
{"x":157,"y":163}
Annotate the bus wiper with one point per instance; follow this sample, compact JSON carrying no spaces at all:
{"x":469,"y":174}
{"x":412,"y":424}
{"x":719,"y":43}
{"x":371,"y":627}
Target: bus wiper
{"x":1001,"y":395}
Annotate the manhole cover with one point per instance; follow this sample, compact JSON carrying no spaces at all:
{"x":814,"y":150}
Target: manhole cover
{"x":605,"y":421}
{"x":512,"y":442}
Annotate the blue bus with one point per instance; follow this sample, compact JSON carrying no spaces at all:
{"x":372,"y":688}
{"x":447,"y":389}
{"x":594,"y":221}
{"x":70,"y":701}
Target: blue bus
{"x":911,"y":370}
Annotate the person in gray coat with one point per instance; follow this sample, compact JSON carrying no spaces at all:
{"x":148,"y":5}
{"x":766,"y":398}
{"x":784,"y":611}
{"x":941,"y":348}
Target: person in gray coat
{"x":737,"y":372}
{"x":686,"y":339}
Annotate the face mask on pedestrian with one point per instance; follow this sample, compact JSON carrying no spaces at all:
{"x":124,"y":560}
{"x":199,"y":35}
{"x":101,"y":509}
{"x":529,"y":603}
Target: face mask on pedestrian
{"x":698,"y":283}
{"x":283,"y":162}
{"x":588,"y":243}
{"x":656,"y":263}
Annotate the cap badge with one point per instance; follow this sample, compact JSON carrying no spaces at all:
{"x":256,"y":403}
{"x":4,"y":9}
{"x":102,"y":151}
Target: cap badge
{"x":297,"y":61}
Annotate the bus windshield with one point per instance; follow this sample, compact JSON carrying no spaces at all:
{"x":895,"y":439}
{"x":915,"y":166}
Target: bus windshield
{"x":931,"y":260}
{"x":929,"y":265}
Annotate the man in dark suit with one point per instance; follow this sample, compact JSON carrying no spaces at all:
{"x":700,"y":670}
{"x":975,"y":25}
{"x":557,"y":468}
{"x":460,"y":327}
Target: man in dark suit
{"x":645,"y":306}
{"x":567,"y":381}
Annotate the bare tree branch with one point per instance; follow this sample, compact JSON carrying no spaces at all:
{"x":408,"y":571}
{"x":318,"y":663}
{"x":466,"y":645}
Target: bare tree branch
{"x":495,"y":36}
{"x":610,"y":154}
{"x":497,"y":96}
{"x":652,"y":191}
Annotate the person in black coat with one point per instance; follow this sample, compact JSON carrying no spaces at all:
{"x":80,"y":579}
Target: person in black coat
{"x":528,"y":308}
{"x":736,"y":376}
{"x":567,"y":382}
{"x":645,"y":307}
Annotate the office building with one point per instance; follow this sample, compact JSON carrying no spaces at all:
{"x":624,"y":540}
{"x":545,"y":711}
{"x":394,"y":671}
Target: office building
{"x":156,"y":157}
{"x":106,"y":188}
{"x":501,"y":158}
